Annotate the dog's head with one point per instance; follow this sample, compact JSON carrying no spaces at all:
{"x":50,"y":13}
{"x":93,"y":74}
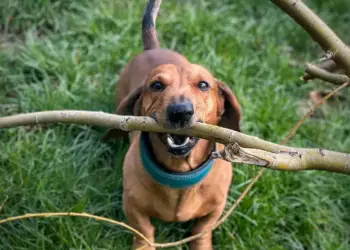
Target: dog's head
{"x":178,"y":97}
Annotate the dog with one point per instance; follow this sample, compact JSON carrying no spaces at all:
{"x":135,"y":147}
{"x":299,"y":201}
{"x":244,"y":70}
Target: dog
{"x":165,"y":176}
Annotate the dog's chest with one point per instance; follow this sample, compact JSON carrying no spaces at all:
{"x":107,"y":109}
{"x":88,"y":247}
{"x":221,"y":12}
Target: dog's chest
{"x":169,"y":204}
{"x":181,"y":205}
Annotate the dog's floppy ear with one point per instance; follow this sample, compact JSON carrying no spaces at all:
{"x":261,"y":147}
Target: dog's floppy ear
{"x":130,"y":105}
{"x":228,"y":108}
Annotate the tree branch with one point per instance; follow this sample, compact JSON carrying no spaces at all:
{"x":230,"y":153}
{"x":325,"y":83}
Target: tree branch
{"x":271,"y":155}
{"x":327,"y":65}
{"x":316,"y":72}
{"x":318,"y":30}
{"x":300,"y":159}
{"x":73,"y":214}
{"x":131,"y":123}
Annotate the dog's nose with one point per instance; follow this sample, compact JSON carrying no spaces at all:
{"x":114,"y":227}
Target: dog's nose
{"x":180,"y":113}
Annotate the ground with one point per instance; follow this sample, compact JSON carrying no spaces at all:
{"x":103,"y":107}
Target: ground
{"x":68,"y":54}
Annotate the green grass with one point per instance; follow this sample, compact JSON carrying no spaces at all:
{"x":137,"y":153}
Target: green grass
{"x":67,"y":55}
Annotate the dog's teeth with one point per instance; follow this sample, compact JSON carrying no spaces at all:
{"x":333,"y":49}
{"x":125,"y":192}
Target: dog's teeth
{"x":170,"y":141}
{"x":172,"y":144}
{"x":186,"y":141}
{"x":170,"y":137}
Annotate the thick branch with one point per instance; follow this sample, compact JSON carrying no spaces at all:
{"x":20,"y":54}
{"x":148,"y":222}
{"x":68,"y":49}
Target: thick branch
{"x":324,"y":75}
{"x":300,"y":159}
{"x":131,"y":123}
{"x":275,"y":156}
{"x":318,"y":30}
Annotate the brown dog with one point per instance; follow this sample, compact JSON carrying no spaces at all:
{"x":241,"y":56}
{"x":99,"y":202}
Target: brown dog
{"x":162,"y":84}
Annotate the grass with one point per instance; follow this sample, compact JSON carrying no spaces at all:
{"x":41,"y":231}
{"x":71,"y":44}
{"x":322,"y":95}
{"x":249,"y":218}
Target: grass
{"x":67,"y":55}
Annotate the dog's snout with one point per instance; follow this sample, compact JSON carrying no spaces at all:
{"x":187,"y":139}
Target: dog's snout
{"x":180,"y":112}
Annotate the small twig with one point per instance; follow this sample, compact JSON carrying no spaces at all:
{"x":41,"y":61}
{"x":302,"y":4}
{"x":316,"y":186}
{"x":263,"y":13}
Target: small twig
{"x":308,"y":114}
{"x":240,"y":198}
{"x":85,"y":215}
{"x":324,"y":75}
{"x":327,"y":65}
{"x":3,"y":203}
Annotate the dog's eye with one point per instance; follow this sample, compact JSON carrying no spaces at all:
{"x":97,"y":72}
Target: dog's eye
{"x":156,"y":87}
{"x":203,"y":86}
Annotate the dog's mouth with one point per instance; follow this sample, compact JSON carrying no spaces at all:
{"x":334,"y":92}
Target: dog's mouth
{"x":178,"y":145}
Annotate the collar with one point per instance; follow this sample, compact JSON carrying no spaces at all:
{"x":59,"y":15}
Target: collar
{"x":166,"y":177}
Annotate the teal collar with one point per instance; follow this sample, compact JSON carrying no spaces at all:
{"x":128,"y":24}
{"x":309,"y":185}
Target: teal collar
{"x":166,"y":177}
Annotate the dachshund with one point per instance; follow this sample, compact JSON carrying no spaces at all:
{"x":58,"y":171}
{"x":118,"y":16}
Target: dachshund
{"x":166,"y":176}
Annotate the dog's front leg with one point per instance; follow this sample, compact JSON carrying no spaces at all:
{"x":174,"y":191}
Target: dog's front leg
{"x":142,"y":223}
{"x":205,"y":242}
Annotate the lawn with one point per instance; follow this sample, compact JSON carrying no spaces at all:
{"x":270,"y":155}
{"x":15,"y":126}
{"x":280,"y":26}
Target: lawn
{"x":63,"y":54}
